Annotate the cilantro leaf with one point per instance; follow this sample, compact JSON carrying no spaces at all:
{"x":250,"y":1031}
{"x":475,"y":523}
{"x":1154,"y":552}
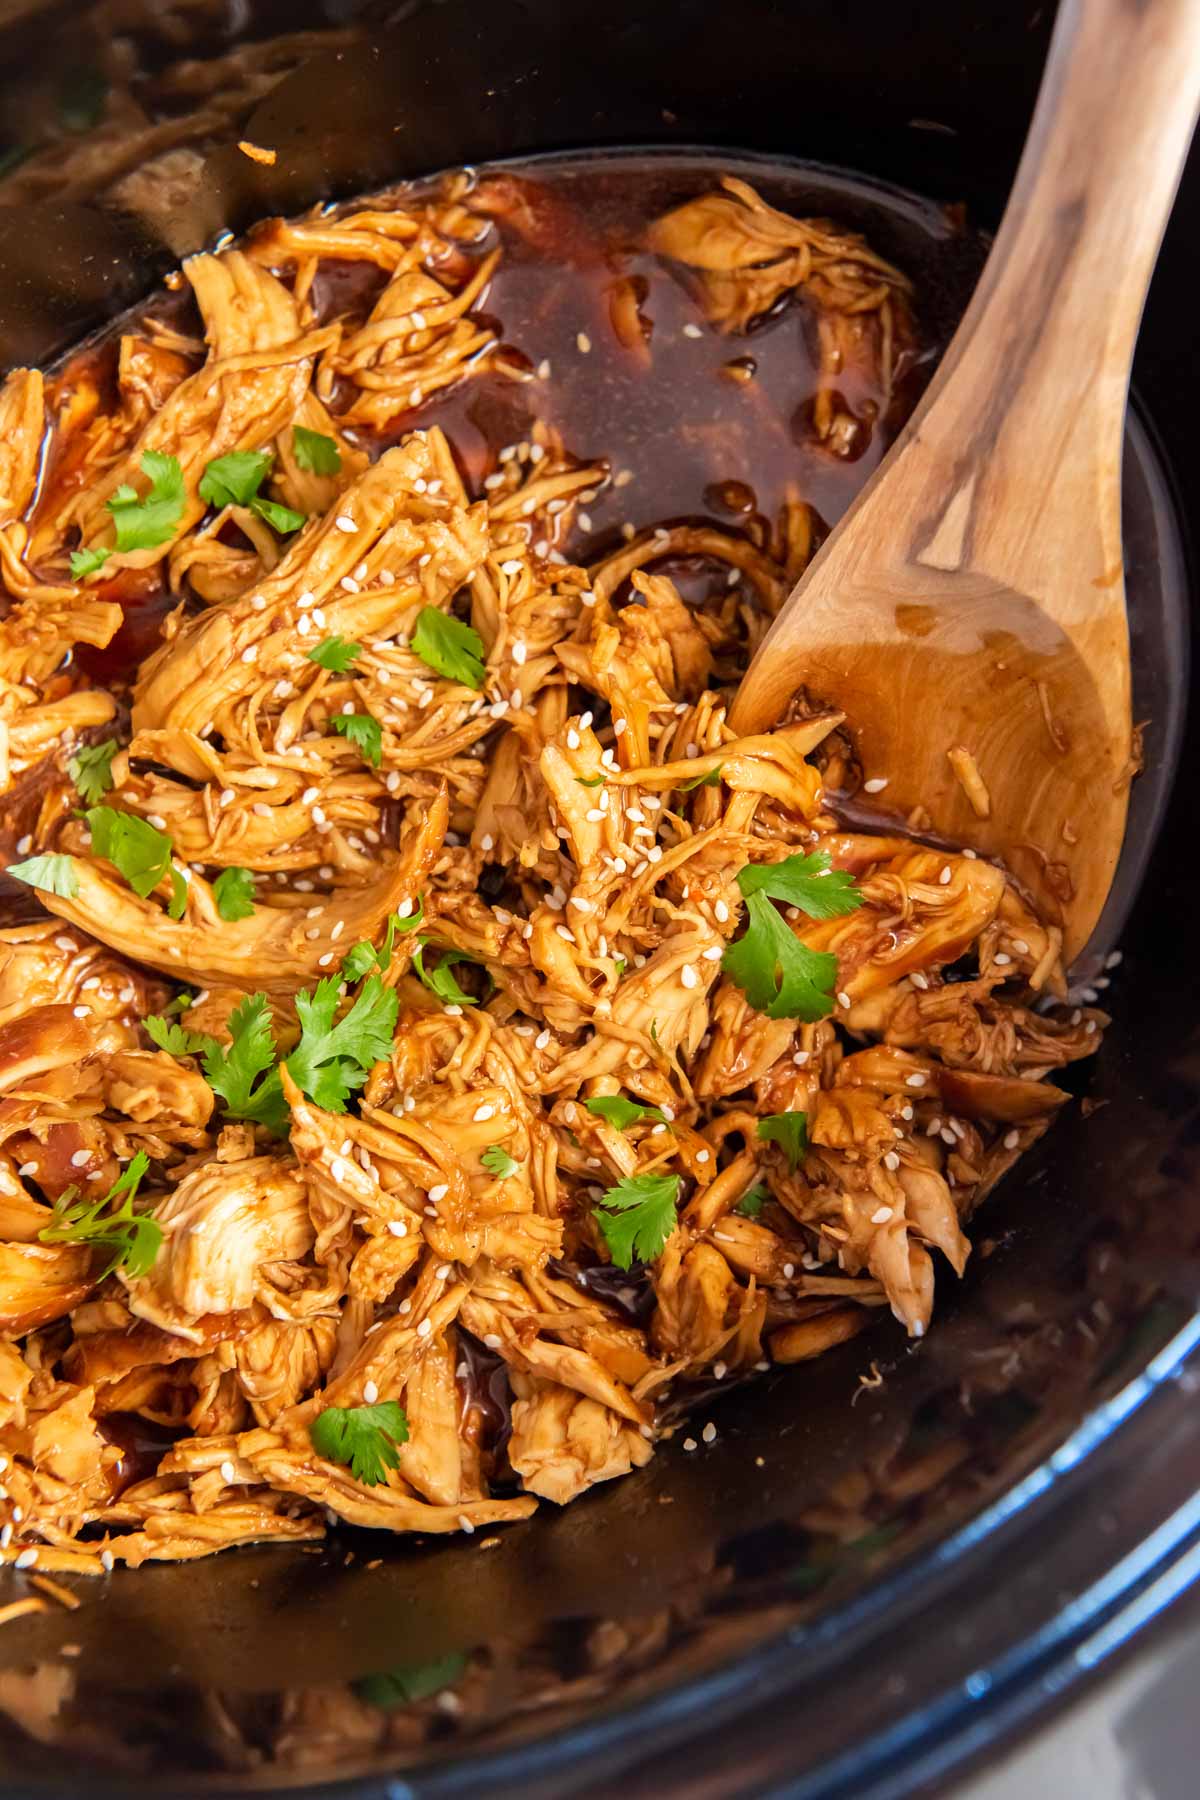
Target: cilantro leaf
{"x":135,"y":848}
{"x":637,"y":1216}
{"x":365,"y":1437}
{"x":364,"y":956}
{"x":86,"y":562}
{"x":778,"y":974}
{"x":364,"y":732}
{"x":357,"y":961}
{"x":330,"y":1060}
{"x":449,"y":647}
{"x":315,"y":452}
{"x":402,"y":1687}
{"x":752,"y":1202}
{"x":180,"y":1003}
{"x":177,"y":904}
{"x":790,"y":1131}
{"x":497,"y":1161}
{"x":620,"y":1112}
{"x":170,"y":1035}
{"x":134,"y":1238}
{"x":91,"y":769}
{"x":234,"y":479}
{"x":233,"y":891}
{"x":804,"y":881}
{"x":620,"y":965}
{"x":53,"y":874}
{"x":280,"y":518}
{"x":144,"y":523}
{"x":335,"y":654}
{"x":712,"y":779}
{"x":232,"y":1070}
{"x":590,"y":780}
{"x":439,"y":980}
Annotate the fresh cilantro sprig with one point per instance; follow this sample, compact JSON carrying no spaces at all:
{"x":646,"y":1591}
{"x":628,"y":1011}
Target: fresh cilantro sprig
{"x":86,"y":562}
{"x":362,"y":957}
{"x":283,"y":519}
{"x":135,"y":848}
{"x":403,"y":1687}
{"x":497,"y":1161}
{"x":438,"y":979}
{"x":618,"y":1111}
{"x":52,"y":874}
{"x":134,"y":1238}
{"x":243,"y":1073}
{"x":140,"y":521}
{"x":335,"y":654}
{"x":449,"y":647}
{"x":364,"y":732}
{"x":790,"y":1131}
{"x":233,"y":891}
{"x":170,"y":1035}
{"x":778,"y":974}
{"x":144,"y":521}
{"x":332,"y":1060}
{"x":314,"y":452}
{"x":367,"y":1438}
{"x":91,"y":769}
{"x":234,"y":480}
{"x":752,"y":1202}
{"x":637,"y":1216}
{"x":808,"y":882}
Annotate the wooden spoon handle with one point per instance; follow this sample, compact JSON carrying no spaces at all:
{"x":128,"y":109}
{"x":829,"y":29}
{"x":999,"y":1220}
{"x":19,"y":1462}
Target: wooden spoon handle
{"x":1037,"y":376}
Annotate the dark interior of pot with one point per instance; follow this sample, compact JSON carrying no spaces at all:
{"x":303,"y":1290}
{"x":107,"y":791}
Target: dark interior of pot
{"x":872,"y":1566}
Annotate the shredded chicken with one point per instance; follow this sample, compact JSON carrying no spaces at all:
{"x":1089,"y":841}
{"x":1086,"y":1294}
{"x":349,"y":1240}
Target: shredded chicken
{"x":527,"y":840}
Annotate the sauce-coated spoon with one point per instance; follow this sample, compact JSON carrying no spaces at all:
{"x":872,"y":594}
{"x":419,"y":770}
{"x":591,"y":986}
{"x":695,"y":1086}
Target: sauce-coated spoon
{"x":968,"y":612}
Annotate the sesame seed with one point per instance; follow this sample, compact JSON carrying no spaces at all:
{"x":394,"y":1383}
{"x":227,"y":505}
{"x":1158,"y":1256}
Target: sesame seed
{"x":891,"y":1161}
{"x":107,"y":1561}
{"x":345,"y":523}
{"x":915,"y":1081}
{"x":876,"y":784}
{"x":1001,"y":960}
{"x":690,"y":1444}
{"x":26,"y":1559}
{"x":228,"y":1472}
{"x":81,"y":1012}
{"x":844,"y":1000}
{"x":721,"y":912}
{"x":583,"y":342}
{"x":323,"y":962}
{"x":1011,"y":1139}
{"x":709,"y":1433}
{"x":397,"y":1227}
{"x":440,"y":1191}
{"x":24,"y":846}
{"x":944,"y":877}
{"x":483,"y":1113}
{"x":692,"y":331}
{"x":250,"y":653}
{"x":370,"y":1393}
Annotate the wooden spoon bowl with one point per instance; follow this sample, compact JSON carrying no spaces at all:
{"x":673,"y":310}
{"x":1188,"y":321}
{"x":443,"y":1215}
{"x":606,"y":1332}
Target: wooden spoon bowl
{"x":968,"y":612}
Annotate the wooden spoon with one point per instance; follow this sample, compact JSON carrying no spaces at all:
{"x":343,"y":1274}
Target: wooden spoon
{"x":972,"y":599}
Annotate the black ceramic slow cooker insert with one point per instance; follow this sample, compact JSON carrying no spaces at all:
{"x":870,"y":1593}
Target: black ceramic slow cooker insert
{"x":1027,"y":1480}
